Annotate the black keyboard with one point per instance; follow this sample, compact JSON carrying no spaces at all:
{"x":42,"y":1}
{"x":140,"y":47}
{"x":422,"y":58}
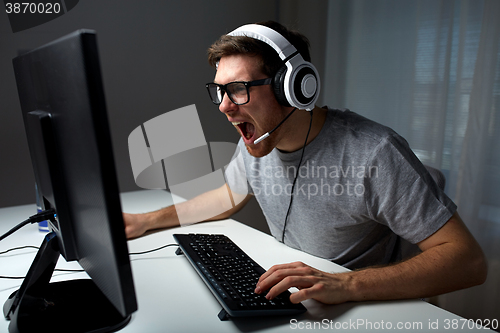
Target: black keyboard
{"x":232,"y":276}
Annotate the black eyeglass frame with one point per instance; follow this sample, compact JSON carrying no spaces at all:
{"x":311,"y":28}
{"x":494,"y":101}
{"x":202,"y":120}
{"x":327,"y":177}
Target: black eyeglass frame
{"x":247,"y":84}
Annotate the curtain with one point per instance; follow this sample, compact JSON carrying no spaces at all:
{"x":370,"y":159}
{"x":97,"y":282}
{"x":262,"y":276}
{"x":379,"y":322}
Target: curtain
{"x":430,"y":69}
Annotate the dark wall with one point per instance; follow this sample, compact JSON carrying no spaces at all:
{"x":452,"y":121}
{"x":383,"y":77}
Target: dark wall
{"x":153,"y":58}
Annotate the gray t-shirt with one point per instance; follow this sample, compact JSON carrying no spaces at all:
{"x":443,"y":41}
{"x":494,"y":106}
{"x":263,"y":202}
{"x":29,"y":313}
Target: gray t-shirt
{"x":359,"y":189}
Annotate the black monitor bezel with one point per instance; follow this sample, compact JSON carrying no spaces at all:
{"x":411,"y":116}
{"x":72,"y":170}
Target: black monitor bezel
{"x":53,"y":81}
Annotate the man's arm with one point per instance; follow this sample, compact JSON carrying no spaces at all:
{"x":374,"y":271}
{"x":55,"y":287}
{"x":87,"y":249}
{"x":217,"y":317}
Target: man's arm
{"x":192,"y":211}
{"x":451,"y":260}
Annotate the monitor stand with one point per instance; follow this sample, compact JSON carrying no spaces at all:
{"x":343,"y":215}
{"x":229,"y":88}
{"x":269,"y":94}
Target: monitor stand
{"x":68,"y":306}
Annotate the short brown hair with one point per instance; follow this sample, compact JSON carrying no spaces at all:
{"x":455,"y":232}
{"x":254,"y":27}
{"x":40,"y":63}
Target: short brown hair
{"x":270,"y":61}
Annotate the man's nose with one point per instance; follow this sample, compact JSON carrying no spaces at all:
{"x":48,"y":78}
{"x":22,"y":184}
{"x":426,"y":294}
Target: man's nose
{"x":227,"y":105}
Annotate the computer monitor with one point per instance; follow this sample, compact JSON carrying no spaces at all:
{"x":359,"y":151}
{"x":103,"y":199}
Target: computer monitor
{"x":64,"y":112}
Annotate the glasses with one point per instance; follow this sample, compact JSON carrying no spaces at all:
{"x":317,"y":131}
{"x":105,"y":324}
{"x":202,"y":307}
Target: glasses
{"x":237,"y":91}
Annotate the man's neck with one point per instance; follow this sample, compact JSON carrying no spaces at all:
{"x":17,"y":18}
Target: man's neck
{"x":299,"y":126}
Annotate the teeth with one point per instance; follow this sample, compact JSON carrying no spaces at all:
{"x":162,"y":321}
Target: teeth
{"x":236,"y":123}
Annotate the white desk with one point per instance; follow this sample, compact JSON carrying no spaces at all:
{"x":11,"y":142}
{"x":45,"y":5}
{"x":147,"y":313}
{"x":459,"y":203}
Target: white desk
{"x":164,"y":281}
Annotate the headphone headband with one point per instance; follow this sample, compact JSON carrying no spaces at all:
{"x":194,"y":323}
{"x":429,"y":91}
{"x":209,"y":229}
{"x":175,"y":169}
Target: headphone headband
{"x":297,"y":83}
{"x":267,"y":35}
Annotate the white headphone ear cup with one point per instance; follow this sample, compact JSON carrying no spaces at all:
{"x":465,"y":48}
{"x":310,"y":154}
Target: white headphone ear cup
{"x":303,"y":87}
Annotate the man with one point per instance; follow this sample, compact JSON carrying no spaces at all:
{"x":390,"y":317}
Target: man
{"x":357,"y":191}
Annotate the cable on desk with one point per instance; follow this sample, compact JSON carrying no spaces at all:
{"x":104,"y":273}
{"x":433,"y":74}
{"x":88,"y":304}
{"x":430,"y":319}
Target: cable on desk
{"x":48,"y":214}
{"x":20,"y":248}
{"x":12,"y":277}
{"x":68,"y":270}
{"x":14,"y":249}
{"x":136,"y":253}
{"x":153,"y":250}
{"x":72,"y":270}
{"x":33,"y":247}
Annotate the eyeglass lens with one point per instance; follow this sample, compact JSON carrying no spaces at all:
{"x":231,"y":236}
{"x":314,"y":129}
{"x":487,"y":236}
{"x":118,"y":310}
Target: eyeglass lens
{"x":236,"y":91}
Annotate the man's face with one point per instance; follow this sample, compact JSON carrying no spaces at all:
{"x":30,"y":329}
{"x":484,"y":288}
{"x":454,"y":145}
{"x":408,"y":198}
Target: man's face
{"x":261,"y":114}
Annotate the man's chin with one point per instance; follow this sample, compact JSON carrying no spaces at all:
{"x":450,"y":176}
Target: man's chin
{"x":258,"y":150}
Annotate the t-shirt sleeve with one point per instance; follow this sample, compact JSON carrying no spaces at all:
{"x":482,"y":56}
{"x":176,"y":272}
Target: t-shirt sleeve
{"x":400,"y":192}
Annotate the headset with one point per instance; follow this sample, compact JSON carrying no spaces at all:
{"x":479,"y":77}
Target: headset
{"x":297,"y":82}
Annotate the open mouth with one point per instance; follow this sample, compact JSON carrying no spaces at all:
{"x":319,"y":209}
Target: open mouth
{"x":247,"y":130}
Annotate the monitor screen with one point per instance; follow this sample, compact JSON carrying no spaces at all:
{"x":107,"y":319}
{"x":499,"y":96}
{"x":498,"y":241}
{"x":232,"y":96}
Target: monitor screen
{"x":63,"y":106}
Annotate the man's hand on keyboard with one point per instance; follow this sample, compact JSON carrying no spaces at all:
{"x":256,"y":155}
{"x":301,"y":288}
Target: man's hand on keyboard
{"x":312,"y":283}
